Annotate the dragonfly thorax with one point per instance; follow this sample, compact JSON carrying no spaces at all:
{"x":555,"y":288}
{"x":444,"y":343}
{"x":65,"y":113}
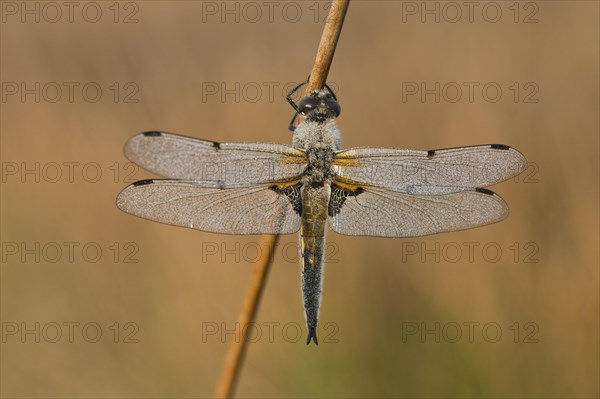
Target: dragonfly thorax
{"x":319,"y":141}
{"x":310,"y":134}
{"x":319,"y":168}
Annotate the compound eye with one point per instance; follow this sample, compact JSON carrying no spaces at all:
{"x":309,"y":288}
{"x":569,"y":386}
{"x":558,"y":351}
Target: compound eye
{"x":308,"y":103}
{"x":334,"y":106}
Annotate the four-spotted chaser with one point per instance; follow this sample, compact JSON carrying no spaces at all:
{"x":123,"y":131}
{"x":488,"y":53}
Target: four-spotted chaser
{"x":261,"y":188}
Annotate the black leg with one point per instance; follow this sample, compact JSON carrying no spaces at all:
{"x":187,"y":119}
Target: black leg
{"x":331,"y":91}
{"x":292,"y":92}
{"x":292,"y":125}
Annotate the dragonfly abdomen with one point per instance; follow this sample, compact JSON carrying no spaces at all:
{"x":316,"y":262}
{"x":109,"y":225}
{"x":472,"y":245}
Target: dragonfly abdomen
{"x":315,"y":202}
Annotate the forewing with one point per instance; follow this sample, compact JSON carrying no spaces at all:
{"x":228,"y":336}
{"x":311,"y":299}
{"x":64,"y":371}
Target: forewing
{"x":261,"y":209}
{"x":229,"y":164}
{"x":430,"y":172}
{"x":372,"y":211}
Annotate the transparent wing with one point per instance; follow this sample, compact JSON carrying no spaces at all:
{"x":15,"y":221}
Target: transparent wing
{"x":430,"y":172}
{"x":372,"y":211}
{"x":262,"y":209}
{"x":231,"y":164}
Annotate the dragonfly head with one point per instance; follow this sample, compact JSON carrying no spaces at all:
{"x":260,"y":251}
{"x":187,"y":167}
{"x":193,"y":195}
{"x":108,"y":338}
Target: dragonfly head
{"x":319,"y":106}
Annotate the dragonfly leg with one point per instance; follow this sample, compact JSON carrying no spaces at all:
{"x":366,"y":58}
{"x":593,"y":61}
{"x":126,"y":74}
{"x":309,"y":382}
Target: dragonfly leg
{"x":292,"y":92}
{"x":292,"y":125}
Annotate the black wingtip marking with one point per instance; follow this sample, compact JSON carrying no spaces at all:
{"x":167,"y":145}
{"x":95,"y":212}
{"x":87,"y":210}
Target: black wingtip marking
{"x":312,"y":335}
{"x":216,"y":145}
{"x":499,"y":147}
{"x":143,"y":182}
{"x":430,"y":153}
{"x":484,"y":191}
{"x":153,"y":133}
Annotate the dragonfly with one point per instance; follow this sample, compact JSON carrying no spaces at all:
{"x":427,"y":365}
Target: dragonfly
{"x":266,"y":188}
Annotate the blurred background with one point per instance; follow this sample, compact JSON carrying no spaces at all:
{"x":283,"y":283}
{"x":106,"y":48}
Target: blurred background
{"x":98,"y":303}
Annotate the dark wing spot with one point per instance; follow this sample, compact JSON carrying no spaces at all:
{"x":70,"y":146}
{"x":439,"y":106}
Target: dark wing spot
{"x":152,"y":134}
{"x":484,"y":191}
{"x":338,"y":197}
{"x":499,"y":147}
{"x":293,"y":194}
{"x":216,"y":146}
{"x":430,"y":153}
{"x":143,"y":182}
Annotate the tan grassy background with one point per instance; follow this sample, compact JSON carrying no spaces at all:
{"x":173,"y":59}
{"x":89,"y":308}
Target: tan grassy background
{"x":374,"y":288}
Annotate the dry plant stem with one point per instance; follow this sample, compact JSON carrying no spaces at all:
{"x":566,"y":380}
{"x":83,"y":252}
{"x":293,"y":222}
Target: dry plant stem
{"x":329,"y":39}
{"x":318,"y":76}
{"x":237,"y":351}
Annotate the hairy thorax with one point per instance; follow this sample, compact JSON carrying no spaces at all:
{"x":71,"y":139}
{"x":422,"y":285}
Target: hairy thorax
{"x":320,"y":141}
